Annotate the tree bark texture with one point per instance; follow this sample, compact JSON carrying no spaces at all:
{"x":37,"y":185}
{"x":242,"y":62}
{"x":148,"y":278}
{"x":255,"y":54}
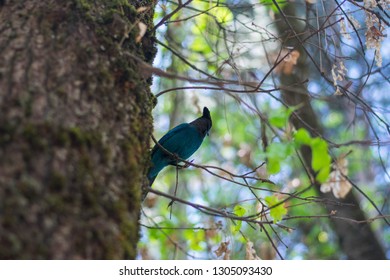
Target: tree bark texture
{"x":357,"y":240}
{"x":75,"y":120}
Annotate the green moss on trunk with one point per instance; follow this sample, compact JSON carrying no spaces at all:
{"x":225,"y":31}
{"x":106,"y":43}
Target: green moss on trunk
{"x":74,"y":134}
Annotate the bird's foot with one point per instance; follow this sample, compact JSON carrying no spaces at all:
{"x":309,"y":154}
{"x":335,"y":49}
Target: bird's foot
{"x":185,"y":165}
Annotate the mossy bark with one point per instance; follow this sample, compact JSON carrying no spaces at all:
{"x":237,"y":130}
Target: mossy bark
{"x":75,"y":119}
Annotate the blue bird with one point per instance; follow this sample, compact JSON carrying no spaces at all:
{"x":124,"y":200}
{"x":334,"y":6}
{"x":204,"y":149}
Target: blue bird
{"x":182,"y":141}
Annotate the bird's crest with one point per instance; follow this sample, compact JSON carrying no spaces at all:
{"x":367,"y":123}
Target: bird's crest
{"x":203,"y":123}
{"x":206,"y":115}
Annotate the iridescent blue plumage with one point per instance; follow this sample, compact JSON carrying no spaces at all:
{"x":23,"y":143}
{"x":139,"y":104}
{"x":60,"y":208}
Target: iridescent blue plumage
{"x":183,"y":141}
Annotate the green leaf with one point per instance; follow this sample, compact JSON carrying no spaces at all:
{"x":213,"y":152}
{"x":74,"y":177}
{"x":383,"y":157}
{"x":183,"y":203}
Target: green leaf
{"x":239,"y":211}
{"x":276,"y":153}
{"x":273,"y":166}
{"x":302,"y":137}
{"x":321,"y":159}
{"x":278,"y":150}
{"x":237,"y":226}
{"x":280,"y":116}
{"x":276,"y":212}
{"x":323,"y":174}
{"x":195,"y":239}
{"x":270,"y":5}
{"x":320,"y":156}
{"x":222,"y":14}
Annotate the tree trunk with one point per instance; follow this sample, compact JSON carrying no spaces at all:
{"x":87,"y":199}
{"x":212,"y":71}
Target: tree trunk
{"x":75,"y":119}
{"x":357,"y":240}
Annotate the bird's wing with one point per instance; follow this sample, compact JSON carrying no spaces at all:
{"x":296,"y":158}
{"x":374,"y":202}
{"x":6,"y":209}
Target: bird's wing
{"x":169,"y":135}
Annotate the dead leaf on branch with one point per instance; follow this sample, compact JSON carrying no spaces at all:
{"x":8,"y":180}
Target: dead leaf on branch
{"x":337,"y":182}
{"x":376,"y":33}
{"x":250,"y":253}
{"x":290,"y":60}
{"x":223,"y":250}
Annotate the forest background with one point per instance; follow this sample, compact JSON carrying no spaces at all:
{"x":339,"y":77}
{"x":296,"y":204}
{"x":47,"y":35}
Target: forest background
{"x":296,"y":163}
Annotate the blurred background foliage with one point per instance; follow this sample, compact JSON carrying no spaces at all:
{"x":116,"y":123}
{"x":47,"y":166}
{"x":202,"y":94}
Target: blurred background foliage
{"x":231,"y":47}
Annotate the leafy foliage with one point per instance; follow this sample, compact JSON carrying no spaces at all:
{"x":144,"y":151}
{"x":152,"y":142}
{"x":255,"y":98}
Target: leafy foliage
{"x":253,"y":178}
{"x":321,"y":160}
{"x":278,"y":209}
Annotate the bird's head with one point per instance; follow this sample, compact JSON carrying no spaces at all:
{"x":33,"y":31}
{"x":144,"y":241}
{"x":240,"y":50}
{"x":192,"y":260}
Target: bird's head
{"x":204,"y":123}
{"x":206,"y":115}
